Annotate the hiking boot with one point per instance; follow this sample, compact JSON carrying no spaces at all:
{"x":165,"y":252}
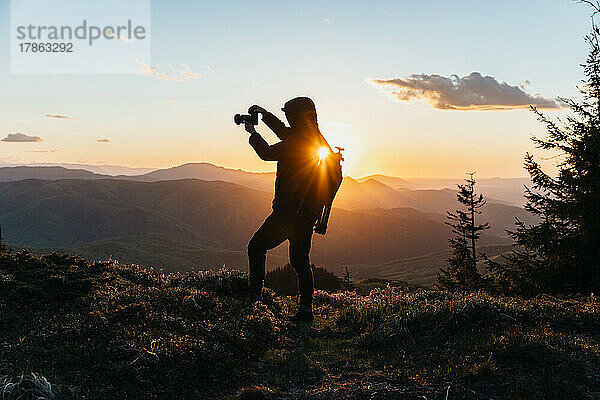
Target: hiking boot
{"x":304,"y":315}
{"x":255,"y":294}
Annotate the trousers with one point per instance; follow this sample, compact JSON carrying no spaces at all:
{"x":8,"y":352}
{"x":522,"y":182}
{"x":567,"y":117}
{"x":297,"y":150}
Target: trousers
{"x":276,"y":229}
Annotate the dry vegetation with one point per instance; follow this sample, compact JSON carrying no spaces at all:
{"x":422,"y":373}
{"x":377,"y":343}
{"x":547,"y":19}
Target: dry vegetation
{"x":73,"y":329}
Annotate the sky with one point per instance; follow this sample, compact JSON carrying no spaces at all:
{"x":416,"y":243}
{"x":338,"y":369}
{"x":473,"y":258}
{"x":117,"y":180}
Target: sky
{"x":410,"y":89}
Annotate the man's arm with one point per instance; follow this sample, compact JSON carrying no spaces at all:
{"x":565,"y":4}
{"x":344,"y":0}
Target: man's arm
{"x":261,"y":147}
{"x":274,"y":123}
{"x":278,"y":127}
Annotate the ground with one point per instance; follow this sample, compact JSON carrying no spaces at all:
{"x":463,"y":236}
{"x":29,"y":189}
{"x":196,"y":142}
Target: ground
{"x":73,"y":329}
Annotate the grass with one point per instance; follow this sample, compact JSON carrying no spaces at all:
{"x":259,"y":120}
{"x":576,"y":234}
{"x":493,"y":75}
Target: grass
{"x":31,"y":386}
{"x":74,"y":329}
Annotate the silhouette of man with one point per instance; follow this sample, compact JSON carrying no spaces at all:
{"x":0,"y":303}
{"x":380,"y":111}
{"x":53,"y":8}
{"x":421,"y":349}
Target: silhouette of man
{"x":293,"y":216}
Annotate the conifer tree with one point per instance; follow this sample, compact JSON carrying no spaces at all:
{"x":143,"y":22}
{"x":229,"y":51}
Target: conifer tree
{"x":462,"y":273}
{"x":347,"y":280}
{"x":561,"y":254}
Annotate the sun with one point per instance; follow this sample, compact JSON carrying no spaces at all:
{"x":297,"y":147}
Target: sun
{"x":323,"y":153}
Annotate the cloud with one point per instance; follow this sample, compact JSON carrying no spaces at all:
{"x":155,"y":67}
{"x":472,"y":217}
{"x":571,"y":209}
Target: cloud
{"x":58,"y":116}
{"x":328,"y":20}
{"x":104,"y":141}
{"x":171,"y":101}
{"x":21,"y":138}
{"x":526,"y":85}
{"x":181,"y":74}
{"x":470,"y":92}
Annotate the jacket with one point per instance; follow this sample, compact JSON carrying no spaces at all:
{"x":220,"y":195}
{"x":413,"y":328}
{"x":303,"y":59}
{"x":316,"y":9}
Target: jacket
{"x":296,"y":154}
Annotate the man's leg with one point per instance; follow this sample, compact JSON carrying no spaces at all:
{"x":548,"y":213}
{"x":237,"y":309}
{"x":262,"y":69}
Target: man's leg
{"x":271,"y":234}
{"x":300,"y":241}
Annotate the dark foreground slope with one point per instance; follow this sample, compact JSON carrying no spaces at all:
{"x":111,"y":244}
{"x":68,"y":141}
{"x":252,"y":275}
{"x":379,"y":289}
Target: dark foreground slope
{"x":108,"y":331}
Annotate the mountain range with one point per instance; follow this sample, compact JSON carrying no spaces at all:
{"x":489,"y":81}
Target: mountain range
{"x":201,"y":216}
{"x":504,"y":190}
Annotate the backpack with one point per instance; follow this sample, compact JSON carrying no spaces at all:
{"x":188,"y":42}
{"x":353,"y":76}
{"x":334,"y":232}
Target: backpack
{"x":326,"y":182}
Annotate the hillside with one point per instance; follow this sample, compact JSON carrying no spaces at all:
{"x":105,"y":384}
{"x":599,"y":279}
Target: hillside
{"x":11,"y":174}
{"x":109,"y":331}
{"x":166,"y":252}
{"x":102,"y":169}
{"x":508,"y":191}
{"x":208,"y":172}
{"x":199,"y":223}
{"x":160,"y":220}
{"x":372,"y":194}
{"x":204,"y":171}
{"x":423,"y":270}
{"x":72,"y":212}
{"x":376,"y":191}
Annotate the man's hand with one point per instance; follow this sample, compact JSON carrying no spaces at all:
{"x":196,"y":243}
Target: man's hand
{"x":250,"y":128}
{"x":257,"y":109}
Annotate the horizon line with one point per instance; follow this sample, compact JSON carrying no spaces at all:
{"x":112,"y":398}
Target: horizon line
{"x":152,"y":169}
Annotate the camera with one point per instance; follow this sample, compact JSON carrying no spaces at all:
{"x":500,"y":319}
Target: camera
{"x":251,"y":118}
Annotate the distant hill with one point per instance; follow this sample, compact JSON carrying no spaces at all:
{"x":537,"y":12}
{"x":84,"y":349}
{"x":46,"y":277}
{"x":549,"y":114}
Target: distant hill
{"x":363,"y":239}
{"x":164,"y":251}
{"x":392,"y":181}
{"x":208,"y":172}
{"x":374,"y":194}
{"x":508,"y":191}
{"x":502,"y":190}
{"x":423,"y":270}
{"x":260,"y":181}
{"x":164,"y":219}
{"x":185,"y":223}
{"x":371,"y":194}
{"x":102,"y":169}
{"x":10,"y":174}
{"x":71,"y":212}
